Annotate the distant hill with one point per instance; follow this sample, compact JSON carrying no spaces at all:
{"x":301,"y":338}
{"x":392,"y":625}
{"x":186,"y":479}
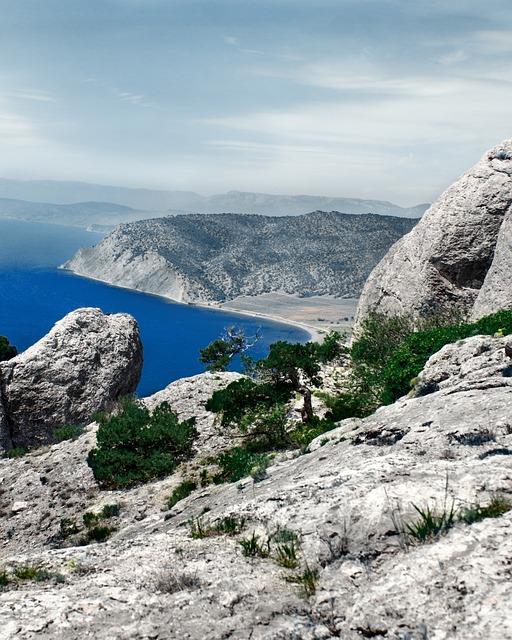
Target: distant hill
{"x":164,"y":202}
{"x":199,"y":257}
{"x":97,"y":215}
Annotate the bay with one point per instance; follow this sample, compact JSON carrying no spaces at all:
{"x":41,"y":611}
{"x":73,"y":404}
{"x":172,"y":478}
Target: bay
{"x":34,"y":294}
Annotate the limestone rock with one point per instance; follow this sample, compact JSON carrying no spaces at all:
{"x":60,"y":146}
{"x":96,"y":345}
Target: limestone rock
{"x":444,"y":260}
{"x":348,"y":500}
{"x":496,"y":292}
{"x":5,"y":436}
{"x":84,"y":363}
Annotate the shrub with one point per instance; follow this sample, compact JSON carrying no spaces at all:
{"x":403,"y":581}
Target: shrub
{"x":389,"y":352}
{"x":68,"y":432}
{"x":96,"y":533}
{"x":238,"y":463}
{"x":136,"y":446}
{"x":183,"y":490}
{"x":26,"y":572}
{"x":7,"y":350}
{"x":17,"y":452}
{"x":5,"y":579}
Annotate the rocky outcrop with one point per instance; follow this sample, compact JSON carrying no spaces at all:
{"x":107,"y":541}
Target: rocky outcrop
{"x":456,"y":255}
{"x":198,"y":258}
{"x":496,"y":292}
{"x":84,"y":363}
{"x":348,"y":501}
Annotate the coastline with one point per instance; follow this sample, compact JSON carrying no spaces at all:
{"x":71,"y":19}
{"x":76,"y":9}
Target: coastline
{"x":303,"y":313}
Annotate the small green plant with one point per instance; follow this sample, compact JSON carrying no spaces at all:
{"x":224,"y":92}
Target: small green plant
{"x":431,"y":523}
{"x":110,"y":511}
{"x":252,"y":547}
{"x":286,"y":556}
{"x":182,"y":491}
{"x":16,"y":452}
{"x":198,"y":529}
{"x":230,"y":526}
{"x":475,"y":513}
{"x":284,"y":535}
{"x":307,"y":579}
{"x":26,"y":572}
{"x":5,"y":579}
{"x":97,"y":533}
{"x":68,"y":527}
{"x":90,"y":518}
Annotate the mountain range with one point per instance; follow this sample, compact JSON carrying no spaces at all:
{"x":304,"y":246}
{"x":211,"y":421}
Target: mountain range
{"x":145,"y":203}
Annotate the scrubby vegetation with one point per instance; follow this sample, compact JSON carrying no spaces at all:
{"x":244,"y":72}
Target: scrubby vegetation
{"x":92,"y":529}
{"x":136,"y":446}
{"x":7,"y":350}
{"x":389,"y":352}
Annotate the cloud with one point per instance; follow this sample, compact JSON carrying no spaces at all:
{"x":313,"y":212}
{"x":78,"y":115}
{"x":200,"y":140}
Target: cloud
{"x":18,"y":131}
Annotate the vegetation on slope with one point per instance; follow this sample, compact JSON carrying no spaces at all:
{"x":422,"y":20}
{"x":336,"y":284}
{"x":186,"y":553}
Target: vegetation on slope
{"x":7,"y":350}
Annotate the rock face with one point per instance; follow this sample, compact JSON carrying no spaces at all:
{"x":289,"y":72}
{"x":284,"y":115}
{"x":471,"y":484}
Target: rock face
{"x":496,"y":292}
{"x":198,"y":258}
{"x":86,"y":361}
{"x":348,"y":500}
{"x":445,"y":260}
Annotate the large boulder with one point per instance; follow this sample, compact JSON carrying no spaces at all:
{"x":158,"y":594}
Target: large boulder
{"x":496,"y":292}
{"x":86,"y":362}
{"x":445,"y":259}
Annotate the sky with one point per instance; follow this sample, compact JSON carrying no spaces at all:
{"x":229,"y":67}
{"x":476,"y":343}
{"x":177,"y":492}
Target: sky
{"x":379,"y":99}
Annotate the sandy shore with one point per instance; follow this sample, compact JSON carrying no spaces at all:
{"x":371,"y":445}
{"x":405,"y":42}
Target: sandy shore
{"x":318,"y":314}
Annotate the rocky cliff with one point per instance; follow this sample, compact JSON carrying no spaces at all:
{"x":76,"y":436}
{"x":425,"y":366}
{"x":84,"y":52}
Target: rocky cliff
{"x":348,"y":501}
{"x":199,"y":258}
{"x":459,"y":254}
{"x":86,"y":362}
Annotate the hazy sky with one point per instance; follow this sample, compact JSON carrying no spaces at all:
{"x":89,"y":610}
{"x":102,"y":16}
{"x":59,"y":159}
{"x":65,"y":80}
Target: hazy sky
{"x":383,"y":99}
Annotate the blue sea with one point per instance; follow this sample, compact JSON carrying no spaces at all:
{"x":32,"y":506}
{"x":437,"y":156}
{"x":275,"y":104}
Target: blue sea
{"x":34,"y":294}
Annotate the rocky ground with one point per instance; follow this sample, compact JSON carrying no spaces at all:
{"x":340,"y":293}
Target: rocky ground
{"x":348,"y":500}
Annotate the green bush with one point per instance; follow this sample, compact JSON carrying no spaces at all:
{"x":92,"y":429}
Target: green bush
{"x":7,"y":350}
{"x":137,"y":446}
{"x":182,"y":491}
{"x":68,"y":432}
{"x":17,"y":452}
{"x":237,"y":464}
{"x":389,"y":352}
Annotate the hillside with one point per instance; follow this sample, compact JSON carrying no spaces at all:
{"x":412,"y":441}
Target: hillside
{"x":198,"y":258}
{"x":94,"y":215}
{"x":346,"y":503}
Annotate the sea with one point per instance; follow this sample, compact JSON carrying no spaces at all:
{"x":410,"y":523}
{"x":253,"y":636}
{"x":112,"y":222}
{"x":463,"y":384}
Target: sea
{"x":35,"y":294}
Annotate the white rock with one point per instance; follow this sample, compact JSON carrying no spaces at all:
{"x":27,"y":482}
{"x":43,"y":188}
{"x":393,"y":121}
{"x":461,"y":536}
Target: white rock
{"x":84,"y":363}
{"x":444,"y":260}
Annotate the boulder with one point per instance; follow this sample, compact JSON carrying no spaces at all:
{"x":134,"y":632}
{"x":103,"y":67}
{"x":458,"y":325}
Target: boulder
{"x":445,"y":259}
{"x":496,"y":292}
{"x":84,"y":363}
